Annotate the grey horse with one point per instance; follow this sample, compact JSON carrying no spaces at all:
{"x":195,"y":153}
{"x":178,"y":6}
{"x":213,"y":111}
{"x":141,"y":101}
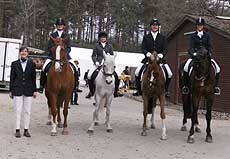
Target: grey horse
{"x":105,"y":84}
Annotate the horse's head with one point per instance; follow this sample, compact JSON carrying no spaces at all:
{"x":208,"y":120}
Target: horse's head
{"x":153,"y":70}
{"x":108,"y":67}
{"x":201,"y":64}
{"x":58,"y":52}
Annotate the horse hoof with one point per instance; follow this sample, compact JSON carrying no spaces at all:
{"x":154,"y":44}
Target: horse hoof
{"x":49,"y":123}
{"x":53,"y":134}
{"x":153,"y":126}
{"x":109,"y":130}
{"x":90,"y":131}
{"x":190,"y":140}
{"x":163,"y":137}
{"x":144,"y":133}
{"x":60,"y":125}
{"x":198,"y":130}
{"x":208,"y":139}
{"x":183,"y":128}
{"x":65,"y":132}
{"x":96,"y":123}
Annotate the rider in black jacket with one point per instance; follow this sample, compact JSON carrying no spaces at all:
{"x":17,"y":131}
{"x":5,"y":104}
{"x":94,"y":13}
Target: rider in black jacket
{"x":153,"y":41}
{"x":199,"y":39}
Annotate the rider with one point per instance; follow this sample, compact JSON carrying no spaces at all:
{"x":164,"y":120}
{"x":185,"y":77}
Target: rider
{"x":199,"y":39}
{"x":60,"y":24}
{"x":97,"y":57}
{"x":154,"y":41}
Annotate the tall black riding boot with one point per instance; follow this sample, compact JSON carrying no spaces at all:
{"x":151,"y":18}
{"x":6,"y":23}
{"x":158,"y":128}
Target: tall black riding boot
{"x":217,"y":89}
{"x":91,"y":84}
{"x":138,"y":85}
{"x":117,"y":82}
{"x":167,"y":82}
{"x":185,"y":88}
{"x":42,"y":82}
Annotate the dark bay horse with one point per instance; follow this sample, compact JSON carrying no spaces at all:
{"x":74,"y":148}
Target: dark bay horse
{"x":202,"y":81}
{"x":153,"y":88}
{"x":60,"y":85}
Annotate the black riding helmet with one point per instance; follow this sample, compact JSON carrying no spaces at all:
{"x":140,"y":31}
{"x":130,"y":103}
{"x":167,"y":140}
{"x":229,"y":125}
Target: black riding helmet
{"x":154,"y":21}
{"x":102,"y":34}
{"x":200,"y":21}
{"x":60,"y":21}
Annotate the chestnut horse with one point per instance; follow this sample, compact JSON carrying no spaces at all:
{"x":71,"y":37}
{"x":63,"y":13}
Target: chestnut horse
{"x":202,"y":81}
{"x":60,"y":85}
{"x":153,"y":88}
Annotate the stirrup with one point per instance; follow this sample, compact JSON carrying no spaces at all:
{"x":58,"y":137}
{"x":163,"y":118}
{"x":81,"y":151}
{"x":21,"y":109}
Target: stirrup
{"x":185,"y":90}
{"x":89,"y":95}
{"x":40,"y":90}
{"x":167,"y":94}
{"x":217,"y":91}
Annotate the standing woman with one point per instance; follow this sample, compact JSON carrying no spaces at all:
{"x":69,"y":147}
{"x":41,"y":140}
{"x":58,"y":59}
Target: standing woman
{"x":23,"y":89}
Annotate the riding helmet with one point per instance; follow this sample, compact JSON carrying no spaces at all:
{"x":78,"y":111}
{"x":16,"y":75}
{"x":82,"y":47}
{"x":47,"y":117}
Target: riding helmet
{"x":200,"y":21}
{"x":154,"y":21}
{"x":102,"y":34}
{"x":60,"y":21}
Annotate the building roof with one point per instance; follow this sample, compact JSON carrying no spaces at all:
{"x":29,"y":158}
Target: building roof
{"x":219,"y":24}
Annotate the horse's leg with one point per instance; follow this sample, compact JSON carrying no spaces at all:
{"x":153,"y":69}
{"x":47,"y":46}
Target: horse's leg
{"x":145,"y":113}
{"x":49,"y":116}
{"x":53,"y":102}
{"x":65,"y":113}
{"x":208,"y":119}
{"x":186,"y":103}
{"x":59,"y":115}
{"x":153,"y":111}
{"x":108,"y":102}
{"x":95,"y":113}
{"x":162,"y":105}
{"x":195,"y":103}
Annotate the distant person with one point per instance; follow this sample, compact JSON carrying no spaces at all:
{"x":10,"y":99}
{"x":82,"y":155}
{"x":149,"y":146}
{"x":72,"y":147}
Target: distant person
{"x":126,"y":72}
{"x":74,"y":98}
{"x":23,"y":89}
{"x":86,"y":78}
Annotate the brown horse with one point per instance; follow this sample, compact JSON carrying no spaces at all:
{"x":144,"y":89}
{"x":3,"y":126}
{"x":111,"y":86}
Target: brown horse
{"x":202,"y":81}
{"x":60,"y":85}
{"x":153,"y":88}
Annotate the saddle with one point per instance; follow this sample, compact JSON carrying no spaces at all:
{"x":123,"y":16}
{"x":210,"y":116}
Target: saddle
{"x":143,"y":69}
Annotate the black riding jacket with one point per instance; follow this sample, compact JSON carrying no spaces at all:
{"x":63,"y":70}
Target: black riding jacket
{"x":196,"y":42}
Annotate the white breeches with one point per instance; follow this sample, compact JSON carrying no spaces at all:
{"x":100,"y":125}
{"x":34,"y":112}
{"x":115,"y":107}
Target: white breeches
{"x":166,"y":66}
{"x":49,"y":60}
{"x":22,"y":102}
{"x":91,"y":70}
{"x":170,"y":74}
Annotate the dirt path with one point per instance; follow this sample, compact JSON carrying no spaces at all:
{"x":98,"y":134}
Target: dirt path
{"x":124,"y":143}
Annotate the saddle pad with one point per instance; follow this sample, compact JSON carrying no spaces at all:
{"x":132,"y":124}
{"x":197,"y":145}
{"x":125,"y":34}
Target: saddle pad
{"x":162,"y":68}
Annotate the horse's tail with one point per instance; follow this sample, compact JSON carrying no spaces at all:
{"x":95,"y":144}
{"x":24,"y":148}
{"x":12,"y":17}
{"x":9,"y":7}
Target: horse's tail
{"x":102,"y":104}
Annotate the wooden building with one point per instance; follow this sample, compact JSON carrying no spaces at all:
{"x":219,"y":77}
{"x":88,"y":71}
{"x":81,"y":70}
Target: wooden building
{"x":178,"y":44}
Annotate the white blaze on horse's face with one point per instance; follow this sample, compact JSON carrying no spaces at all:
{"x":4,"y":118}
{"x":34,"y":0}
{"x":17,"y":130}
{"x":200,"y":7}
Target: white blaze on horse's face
{"x":58,"y":54}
